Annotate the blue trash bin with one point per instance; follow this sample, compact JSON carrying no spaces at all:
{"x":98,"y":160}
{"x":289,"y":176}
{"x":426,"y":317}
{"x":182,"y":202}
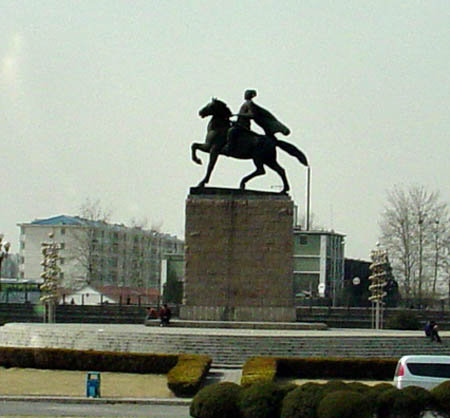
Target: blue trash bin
{"x":93,"y":385}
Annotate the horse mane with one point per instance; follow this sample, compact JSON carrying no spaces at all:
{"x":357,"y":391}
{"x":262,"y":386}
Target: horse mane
{"x":226,"y":110}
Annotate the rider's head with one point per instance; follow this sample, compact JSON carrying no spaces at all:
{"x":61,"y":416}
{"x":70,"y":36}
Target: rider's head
{"x":249,"y":94}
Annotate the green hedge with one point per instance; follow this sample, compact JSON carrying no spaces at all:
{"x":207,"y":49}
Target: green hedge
{"x":405,"y":320}
{"x":265,"y":369}
{"x":337,"y":368}
{"x":185,"y":373}
{"x":259,"y":370}
{"x":343,"y":404}
{"x":66,"y":359}
{"x":334,"y":399}
{"x":188,"y":375}
{"x":219,"y":400}
{"x":263,"y":400}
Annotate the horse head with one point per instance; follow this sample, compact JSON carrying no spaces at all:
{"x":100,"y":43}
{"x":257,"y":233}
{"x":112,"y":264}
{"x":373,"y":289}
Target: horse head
{"x":215,"y":108}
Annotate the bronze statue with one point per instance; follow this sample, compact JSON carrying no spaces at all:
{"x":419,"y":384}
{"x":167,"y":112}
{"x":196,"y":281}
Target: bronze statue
{"x":260,"y":148}
{"x":262,"y":117}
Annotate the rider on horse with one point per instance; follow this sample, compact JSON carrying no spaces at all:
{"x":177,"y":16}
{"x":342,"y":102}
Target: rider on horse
{"x":262,"y":117}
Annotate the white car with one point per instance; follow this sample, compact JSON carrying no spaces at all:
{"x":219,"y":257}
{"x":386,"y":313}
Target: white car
{"x":424,"y":371}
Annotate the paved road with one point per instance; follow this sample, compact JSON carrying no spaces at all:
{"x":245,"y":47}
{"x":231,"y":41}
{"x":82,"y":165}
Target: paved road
{"x":52,"y":409}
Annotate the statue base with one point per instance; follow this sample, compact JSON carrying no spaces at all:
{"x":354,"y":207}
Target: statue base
{"x":239,"y":256}
{"x":238,"y":313}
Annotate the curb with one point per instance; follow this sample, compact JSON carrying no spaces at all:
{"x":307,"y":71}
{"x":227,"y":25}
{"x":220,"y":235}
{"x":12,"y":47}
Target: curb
{"x":100,"y":401}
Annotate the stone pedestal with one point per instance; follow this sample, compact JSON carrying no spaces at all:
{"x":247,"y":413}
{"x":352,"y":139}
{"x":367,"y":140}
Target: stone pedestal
{"x":239,"y":256}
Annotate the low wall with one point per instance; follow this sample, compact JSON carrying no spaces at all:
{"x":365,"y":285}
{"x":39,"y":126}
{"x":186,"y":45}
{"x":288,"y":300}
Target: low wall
{"x":134,"y":314}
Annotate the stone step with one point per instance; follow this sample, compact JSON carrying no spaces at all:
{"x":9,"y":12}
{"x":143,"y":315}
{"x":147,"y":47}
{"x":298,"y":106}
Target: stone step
{"x":226,"y":347}
{"x":241,"y":324}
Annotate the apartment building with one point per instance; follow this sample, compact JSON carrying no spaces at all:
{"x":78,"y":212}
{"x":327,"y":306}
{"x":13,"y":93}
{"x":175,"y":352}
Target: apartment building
{"x":318,"y":263}
{"x":97,"y":252}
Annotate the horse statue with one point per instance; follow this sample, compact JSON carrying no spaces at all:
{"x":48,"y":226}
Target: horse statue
{"x":252,"y":146}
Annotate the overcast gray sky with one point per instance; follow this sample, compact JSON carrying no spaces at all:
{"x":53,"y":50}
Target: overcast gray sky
{"x":99,"y":100}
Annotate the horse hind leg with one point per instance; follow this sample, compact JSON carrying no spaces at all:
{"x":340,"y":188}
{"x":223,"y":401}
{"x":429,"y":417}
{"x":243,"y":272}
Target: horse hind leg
{"x":282,"y":173}
{"x":258,"y":172}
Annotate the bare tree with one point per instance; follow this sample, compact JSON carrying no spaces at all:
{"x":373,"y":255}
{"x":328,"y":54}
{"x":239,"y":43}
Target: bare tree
{"x":93,"y":210}
{"x":88,"y":244}
{"x":445,"y":260}
{"x":411,"y":224}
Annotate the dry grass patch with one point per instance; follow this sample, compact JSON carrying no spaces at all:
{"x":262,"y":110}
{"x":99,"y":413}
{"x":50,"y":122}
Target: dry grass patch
{"x":17,"y":381}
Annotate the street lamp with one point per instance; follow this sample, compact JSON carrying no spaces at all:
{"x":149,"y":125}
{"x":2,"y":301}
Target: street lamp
{"x":4,"y":249}
{"x":378,"y":278}
{"x":436,"y":254}
{"x":50,"y":275}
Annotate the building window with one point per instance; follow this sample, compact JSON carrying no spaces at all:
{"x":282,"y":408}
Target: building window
{"x":62,"y":245}
{"x":61,"y":275}
{"x":61,"y":260}
{"x":303,"y":240}
{"x":22,"y":245}
{"x":63,"y":231}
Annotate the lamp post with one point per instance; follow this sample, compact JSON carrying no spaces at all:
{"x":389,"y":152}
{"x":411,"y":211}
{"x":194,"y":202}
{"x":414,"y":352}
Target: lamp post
{"x":4,"y":250}
{"x":420,"y":222}
{"x":378,"y":278}
{"x":436,"y":254}
{"x":308,"y":198}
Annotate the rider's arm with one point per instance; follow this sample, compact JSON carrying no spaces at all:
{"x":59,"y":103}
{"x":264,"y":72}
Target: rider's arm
{"x":246,"y":111}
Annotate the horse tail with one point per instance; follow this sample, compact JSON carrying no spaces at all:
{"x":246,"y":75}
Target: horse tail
{"x":292,"y":150}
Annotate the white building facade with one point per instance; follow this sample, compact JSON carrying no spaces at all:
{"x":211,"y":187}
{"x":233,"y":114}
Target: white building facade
{"x":318,"y":263}
{"x":96,"y":252}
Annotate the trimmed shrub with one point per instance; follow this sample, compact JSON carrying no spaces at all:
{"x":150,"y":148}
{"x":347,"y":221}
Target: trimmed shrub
{"x":259,"y":370}
{"x":397,"y":403}
{"x":343,"y":404}
{"x":404,"y":320}
{"x":381,"y":387}
{"x":333,"y":386}
{"x":187,"y":376}
{"x":421,"y":396}
{"x":219,"y":400}
{"x":17,"y":357}
{"x":441,"y":395}
{"x":358,"y":387}
{"x":263,"y":400}
{"x":302,"y":402}
{"x":66,"y":359}
{"x":372,"y":394}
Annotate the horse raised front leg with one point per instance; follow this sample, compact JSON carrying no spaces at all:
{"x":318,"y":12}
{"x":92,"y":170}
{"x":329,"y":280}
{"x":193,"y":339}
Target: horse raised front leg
{"x":258,"y":172}
{"x":194,"y":147}
{"x":213,"y":155}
